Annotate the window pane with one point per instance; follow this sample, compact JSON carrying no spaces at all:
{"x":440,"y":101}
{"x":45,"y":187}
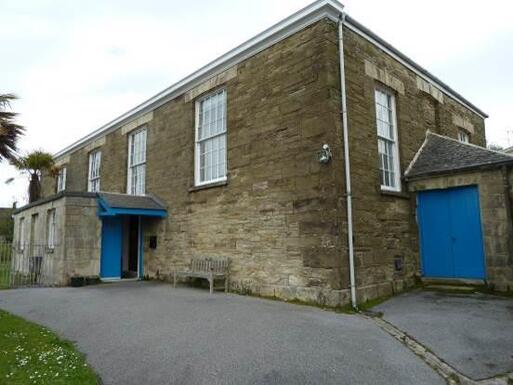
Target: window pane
{"x":387,"y":144}
{"x":211,"y":141}
{"x":94,"y":171}
{"x":137,"y":160}
{"x":211,"y":116}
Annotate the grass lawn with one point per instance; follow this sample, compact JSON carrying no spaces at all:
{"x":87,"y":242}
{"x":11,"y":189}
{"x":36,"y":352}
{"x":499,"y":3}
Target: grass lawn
{"x":31,"y":354}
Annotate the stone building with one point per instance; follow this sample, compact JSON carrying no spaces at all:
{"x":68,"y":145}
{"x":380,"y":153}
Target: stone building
{"x":246,"y":159}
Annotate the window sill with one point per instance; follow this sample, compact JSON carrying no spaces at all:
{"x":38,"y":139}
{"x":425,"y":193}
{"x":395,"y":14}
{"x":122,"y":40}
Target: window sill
{"x":395,"y":194}
{"x":208,"y":186}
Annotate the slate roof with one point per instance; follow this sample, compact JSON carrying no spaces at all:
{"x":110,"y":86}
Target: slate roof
{"x":125,"y":201}
{"x":440,"y":154}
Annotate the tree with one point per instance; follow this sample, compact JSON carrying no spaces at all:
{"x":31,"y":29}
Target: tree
{"x":9,"y":131}
{"x":495,"y":147}
{"x":34,"y":164}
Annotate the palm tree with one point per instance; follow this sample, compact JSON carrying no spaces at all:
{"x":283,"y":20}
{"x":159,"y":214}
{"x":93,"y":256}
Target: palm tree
{"x":34,"y":164}
{"x":9,"y":131}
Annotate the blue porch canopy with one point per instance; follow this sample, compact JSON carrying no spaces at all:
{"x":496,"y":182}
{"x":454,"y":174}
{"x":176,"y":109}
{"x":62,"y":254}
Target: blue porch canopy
{"x":112,"y":204}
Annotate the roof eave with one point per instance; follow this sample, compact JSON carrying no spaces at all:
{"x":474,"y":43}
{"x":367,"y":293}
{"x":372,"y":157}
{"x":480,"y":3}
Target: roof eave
{"x":486,"y":166}
{"x":314,"y":12}
{"x":394,"y":52}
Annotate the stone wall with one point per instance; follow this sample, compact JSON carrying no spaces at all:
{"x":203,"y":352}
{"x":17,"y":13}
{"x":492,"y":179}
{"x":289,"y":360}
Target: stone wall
{"x":77,"y":236}
{"x":495,"y":218}
{"x":82,"y":237}
{"x":384,"y":223}
{"x":281,"y":215}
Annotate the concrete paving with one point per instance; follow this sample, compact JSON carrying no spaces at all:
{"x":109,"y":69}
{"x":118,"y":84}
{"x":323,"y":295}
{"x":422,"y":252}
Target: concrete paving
{"x":149,"y":333}
{"x":471,"y":332}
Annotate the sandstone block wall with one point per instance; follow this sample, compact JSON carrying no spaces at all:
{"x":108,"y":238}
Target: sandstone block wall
{"x":281,"y":215}
{"x":384,"y":223}
{"x":77,"y":237}
{"x":82,"y":237}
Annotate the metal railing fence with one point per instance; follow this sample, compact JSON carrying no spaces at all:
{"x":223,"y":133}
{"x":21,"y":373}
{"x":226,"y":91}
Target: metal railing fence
{"x":27,"y":265}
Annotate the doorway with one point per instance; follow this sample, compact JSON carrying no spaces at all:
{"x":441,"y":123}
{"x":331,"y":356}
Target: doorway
{"x":120,"y":254}
{"x":130,"y":259}
{"x":450,"y":233}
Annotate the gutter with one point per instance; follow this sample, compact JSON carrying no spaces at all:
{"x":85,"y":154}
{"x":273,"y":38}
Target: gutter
{"x":296,"y":22}
{"x":61,"y":194}
{"x":345,"y":128}
{"x":388,"y":48}
{"x":316,"y":11}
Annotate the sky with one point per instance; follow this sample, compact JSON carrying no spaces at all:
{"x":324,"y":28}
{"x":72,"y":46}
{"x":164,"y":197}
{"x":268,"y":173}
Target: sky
{"x":77,"y":65}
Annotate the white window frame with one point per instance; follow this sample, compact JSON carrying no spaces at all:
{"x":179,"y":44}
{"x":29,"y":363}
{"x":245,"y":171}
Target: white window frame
{"x":463,"y":136}
{"x":50,"y":229}
{"x":130,"y":188}
{"x":61,"y":179}
{"x":95,"y":160}
{"x":35,"y":236}
{"x":394,"y":140}
{"x":21,"y":234}
{"x":198,"y":142}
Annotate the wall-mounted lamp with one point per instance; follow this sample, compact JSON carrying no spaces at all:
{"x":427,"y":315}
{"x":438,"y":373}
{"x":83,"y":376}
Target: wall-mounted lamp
{"x":324,"y":155}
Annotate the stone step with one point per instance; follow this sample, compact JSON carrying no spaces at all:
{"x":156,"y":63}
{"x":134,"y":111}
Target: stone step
{"x":456,"y":288}
{"x":453,"y":281}
{"x":453,"y":284}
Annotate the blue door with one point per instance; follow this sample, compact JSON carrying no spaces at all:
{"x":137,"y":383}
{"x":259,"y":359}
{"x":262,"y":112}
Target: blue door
{"x":450,"y":233}
{"x":110,"y":263}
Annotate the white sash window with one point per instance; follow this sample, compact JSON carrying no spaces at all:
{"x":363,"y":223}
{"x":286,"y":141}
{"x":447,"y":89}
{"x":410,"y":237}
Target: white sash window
{"x":50,"y":229}
{"x":210,"y":154}
{"x":389,"y":169}
{"x":61,"y":180}
{"x":137,"y":163}
{"x":94,"y":171}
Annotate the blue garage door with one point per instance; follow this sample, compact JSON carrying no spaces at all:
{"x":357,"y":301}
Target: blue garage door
{"x":450,"y":233}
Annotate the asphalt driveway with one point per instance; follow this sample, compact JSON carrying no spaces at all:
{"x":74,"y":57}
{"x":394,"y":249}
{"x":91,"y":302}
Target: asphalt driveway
{"x":149,"y":333}
{"x":471,"y":332}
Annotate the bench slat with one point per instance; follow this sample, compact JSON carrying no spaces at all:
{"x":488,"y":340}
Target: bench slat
{"x":208,"y":268}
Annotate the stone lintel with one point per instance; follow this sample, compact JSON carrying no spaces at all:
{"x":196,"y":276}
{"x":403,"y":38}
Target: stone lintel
{"x":430,"y":89}
{"x":384,"y":77}
{"x":462,"y":122}
{"x":137,"y":123}
{"x":211,"y":83}
{"x":95,"y":144}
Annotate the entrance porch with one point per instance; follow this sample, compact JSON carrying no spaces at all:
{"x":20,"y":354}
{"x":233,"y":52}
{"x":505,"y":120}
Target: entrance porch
{"x":122,"y":217}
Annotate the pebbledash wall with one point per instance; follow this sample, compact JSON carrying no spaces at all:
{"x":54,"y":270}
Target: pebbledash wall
{"x":281,"y":216}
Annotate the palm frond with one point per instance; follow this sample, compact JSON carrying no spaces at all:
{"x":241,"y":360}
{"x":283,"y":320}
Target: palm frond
{"x":9,"y":130}
{"x":35,"y":162}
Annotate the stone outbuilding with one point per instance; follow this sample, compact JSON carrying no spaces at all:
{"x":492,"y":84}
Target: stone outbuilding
{"x":464,"y":214}
{"x":63,"y":236}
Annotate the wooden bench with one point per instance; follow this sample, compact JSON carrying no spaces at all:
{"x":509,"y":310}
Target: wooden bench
{"x":208,"y":268}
